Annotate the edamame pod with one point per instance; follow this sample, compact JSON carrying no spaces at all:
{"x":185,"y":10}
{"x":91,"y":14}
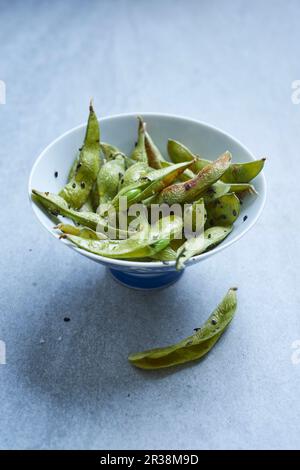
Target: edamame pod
{"x":194,"y":347}
{"x":139,"y":152}
{"x":243,"y":172}
{"x":185,"y":176}
{"x":109,"y":177}
{"x":144,"y":244}
{"x":215,"y":191}
{"x":242,"y":188}
{"x":190,"y":190}
{"x":236,"y":173}
{"x":154,"y":156}
{"x":151,"y":184}
{"x":197,"y":245}
{"x":77,"y":190}
{"x":168,"y":254}
{"x":180,"y":153}
{"x":134,"y":173}
{"x":56,"y":205}
{"x":223,"y":211}
{"x":83,"y":232}
{"x":125,"y":249}
{"x":110,"y":152}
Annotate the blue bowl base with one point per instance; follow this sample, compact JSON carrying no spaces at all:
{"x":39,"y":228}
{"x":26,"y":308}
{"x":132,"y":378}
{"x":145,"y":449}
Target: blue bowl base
{"x":145,"y":282}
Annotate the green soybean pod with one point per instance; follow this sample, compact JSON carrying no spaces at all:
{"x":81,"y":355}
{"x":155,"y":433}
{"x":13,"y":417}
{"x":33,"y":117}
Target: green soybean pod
{"x":56,"y":205}
{"x":77,"y":190}
{"x":193,"y":347}
{"x":188,"y":191}
{"x":109,"y":177}
{"x":154,"y":156}
{"x":139,"y":153}
{"x":196,"y":245}
{"x":243,"y":172}
{"x":223,"y":211}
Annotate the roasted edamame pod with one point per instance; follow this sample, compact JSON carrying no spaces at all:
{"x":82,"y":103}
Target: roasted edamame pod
{"x":154,"y":156}
{"x":77,"y":190}
{"x":190,"y":190}
{"x":167,"y":254}
{"x":110,"y":152}
{"x":236,"y":173}
{"x":150,"y":185}
{"x":194,"y":347}
{"x":139,"y":153}
{"x":56,"y":205}
{"x":180,"y":153}
{"x":83,"y":232}
{"x":223,"y":211}
{"x":197,"y":245}
{"x":141,"y":245}
{"x":134,"y":174}
{"x":243,"y":172}
{"x":109,"y":177}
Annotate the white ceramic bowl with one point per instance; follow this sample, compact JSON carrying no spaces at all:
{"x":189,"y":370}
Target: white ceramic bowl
{"x":121,"y":130}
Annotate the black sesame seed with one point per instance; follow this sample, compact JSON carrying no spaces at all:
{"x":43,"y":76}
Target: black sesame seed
{"x":234,"y":212}
{"x":214,"y":322}
{"x":66,"y":319}
{"x":56,"y":174}
{"x":245,"y":218}
{"x":74,"y":185}
{"x":82,"y":184}
{"x":209,"y":235}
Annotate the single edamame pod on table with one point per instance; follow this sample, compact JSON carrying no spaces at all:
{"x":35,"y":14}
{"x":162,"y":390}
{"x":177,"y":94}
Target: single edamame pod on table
{"x":190,"y":190}
{"x":197,"y":245}
{"x":194,"y":347}
{"x":139,"y":153}
{"x":77,"y":190}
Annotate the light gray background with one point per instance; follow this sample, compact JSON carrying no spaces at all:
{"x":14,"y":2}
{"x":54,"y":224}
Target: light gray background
{"x":230,"y":64}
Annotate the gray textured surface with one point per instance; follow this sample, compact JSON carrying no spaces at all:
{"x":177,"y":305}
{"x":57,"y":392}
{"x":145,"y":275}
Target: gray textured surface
{"x":231,"y":66}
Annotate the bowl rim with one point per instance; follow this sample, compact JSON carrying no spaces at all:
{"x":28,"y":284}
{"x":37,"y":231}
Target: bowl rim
{"x":149,"y":264}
